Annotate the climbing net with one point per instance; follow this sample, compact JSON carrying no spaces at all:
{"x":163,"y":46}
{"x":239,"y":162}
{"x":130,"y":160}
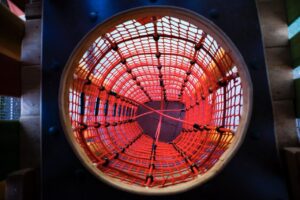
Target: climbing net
{"x":163,"y":59}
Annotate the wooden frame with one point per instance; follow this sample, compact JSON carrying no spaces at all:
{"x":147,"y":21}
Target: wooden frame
{"x":195,"y":19}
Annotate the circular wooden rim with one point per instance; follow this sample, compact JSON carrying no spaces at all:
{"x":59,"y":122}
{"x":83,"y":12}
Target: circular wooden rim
{"x":208,"y":27}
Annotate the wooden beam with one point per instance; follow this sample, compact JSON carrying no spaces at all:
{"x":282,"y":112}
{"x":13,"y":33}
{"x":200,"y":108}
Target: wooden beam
{"x":11,"y":34}
{"x":292,"y":161}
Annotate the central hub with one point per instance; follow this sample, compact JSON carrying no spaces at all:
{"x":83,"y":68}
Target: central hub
{"x":169,"y":128}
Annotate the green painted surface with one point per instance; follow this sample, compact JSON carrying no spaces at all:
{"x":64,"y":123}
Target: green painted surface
{"x":9,"y":147}
{"x":293,"y":10}
{"x":297,"y":97}
{"x":295,"y":49}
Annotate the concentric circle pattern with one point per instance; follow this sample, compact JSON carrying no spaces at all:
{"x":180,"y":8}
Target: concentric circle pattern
{"x":154,"y":57}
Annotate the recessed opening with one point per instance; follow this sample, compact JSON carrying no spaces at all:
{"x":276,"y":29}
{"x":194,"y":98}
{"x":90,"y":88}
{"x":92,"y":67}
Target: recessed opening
{"x":148,"y":120}
{"x":153,"y":98}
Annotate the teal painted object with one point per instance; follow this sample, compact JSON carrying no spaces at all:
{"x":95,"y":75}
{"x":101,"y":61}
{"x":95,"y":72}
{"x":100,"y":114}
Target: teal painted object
{"x":294,"y":28}
{"x":9,"y":147}
{"x":293,"y":15}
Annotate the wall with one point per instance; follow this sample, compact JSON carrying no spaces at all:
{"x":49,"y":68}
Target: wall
{"x":275,"y":35}
{"x":31,"y":88}
{"x":274,"y":28}
{"x":255,"y":169}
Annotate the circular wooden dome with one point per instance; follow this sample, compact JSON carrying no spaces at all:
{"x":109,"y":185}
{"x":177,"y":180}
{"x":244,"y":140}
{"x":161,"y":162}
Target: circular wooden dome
{"x":163,"y":55}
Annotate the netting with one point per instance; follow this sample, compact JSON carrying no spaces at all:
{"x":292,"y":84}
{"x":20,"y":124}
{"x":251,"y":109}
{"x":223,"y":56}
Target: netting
{"x":155,"y":58}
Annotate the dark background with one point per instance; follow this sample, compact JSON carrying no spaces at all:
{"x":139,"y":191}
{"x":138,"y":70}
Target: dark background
{"x":253,"y":174}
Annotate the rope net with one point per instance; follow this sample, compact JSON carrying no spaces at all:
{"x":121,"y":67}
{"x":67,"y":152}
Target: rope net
{"x":155,"y":58}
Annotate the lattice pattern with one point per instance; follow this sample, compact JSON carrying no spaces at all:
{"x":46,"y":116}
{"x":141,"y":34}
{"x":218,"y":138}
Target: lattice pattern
{"x":10,"y":108}
{"x":155,"y":59}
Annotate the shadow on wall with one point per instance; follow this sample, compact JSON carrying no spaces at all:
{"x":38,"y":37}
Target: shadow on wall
{"x":9,"y":147}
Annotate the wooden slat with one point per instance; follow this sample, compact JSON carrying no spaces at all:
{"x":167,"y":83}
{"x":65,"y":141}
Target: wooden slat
{"x":33,"y":11}
{"x":11,"y":34}
{"x":292,"y":158}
